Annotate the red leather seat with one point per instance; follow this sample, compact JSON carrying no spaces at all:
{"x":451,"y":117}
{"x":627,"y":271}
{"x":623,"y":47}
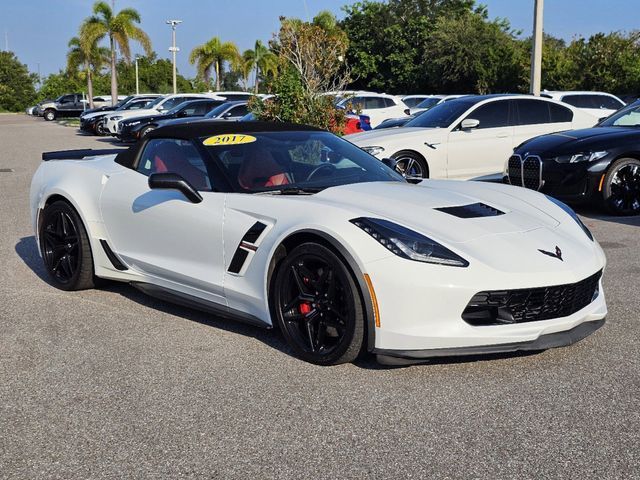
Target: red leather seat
{"x":259,"y":169}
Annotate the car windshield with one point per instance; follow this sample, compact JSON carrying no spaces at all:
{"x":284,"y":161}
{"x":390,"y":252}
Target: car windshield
{"x":219,"y":110}
{"x":294,"y":161}
{"x":442,"y":115}
{"x":428,"y":102}
{"x":155,"y":102}
{"x":628,"y":116}
{"x":178,"y":108}
{"x":124,"y":101}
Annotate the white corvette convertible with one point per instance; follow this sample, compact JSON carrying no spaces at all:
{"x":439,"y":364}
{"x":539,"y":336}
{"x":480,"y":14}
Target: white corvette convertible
{"x":290,"y":225}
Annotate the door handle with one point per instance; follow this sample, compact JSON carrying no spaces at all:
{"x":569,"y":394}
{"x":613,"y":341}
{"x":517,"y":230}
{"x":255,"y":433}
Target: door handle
{"x":502,"y":135}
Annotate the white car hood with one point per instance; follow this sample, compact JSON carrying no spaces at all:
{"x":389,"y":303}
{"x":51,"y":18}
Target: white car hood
{"x":415,"y":206}
{"x":397,"y":135}
{"x":508,"y":242}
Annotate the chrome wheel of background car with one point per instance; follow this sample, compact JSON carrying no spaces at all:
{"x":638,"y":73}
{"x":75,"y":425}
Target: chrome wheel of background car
{"x":411,"y":165}
{"x":145,"y":131}
{"x":622,"y":187}
{"x":100,"y":130}
{"x":65,"y":247}
{"x":49,"y":115}
{"x":318,"y":306}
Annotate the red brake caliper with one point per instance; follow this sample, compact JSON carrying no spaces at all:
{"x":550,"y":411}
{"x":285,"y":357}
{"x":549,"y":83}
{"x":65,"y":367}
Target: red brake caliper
{"x":304,"y":308}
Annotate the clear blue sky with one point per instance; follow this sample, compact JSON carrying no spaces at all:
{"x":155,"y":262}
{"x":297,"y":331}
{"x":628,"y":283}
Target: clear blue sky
{"x":38,"y":30}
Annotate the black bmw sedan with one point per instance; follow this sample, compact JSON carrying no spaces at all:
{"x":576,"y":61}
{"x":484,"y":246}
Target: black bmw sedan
{"x":599,"y":164}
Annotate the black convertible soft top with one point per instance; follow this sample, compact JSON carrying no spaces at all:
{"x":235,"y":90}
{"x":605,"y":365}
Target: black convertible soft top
{"x":201,"y":128}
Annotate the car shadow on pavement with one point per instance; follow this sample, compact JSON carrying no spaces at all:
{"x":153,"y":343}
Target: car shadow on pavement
{"x":594,"y":213}
{"x":27,"y":250}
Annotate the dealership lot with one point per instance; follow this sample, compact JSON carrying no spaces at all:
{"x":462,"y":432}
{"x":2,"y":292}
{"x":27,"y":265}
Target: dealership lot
{"x":111,"y":383}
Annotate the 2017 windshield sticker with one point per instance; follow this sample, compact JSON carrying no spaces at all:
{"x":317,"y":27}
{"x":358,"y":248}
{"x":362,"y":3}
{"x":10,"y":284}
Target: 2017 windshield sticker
{"x":229,"y":139}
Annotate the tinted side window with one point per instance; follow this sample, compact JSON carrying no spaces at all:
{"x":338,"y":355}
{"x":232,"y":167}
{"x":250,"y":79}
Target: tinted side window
{"x":532,"y":112}
{"x":389,"y":102}
{"x":492,"y":115}
{"x":162,"y":155}
{"x":239,"y":111}
{"x":201,"y":108}
{"x":579,"y":101}
{"x":560,"y":114}
{"x":605,"y":101}
{"x":374,"y":102}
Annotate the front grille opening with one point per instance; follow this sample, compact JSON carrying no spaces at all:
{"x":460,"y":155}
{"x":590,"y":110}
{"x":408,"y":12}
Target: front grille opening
{"x":500,"y":307}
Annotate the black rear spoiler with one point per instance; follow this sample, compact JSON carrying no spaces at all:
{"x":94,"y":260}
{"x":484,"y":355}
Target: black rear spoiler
{"x":79,"y":154}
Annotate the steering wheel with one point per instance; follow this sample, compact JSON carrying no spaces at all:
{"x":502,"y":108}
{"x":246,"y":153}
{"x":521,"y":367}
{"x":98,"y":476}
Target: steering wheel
{"x":319,"y":168}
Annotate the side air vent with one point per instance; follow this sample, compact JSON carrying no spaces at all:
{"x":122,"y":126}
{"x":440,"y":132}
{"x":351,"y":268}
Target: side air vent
{"x":113,"y":258}
{"x":473,"y":210}
{"x":247,"y":244}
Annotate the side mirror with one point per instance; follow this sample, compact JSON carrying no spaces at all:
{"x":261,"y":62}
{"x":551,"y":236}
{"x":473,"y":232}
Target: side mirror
{"x":173,"y":181}
{"x":227,"y":115}
{"x":183,"y":113}
{"x":390,"y":162}
{"x":469,"y":123}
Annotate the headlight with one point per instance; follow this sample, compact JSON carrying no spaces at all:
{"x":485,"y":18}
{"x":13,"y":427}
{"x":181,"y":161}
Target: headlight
{"x":408,"y":244}
{"x":117,"y":117}
{"x":581,"y":157}
{"x":373,"y":150}
{"x":572,"y":214}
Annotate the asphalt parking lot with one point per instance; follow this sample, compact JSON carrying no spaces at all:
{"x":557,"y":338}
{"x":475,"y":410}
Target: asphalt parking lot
{"x":111,"y":383}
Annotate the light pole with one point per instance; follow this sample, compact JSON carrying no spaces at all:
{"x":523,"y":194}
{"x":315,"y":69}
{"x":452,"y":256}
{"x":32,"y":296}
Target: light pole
{"x":137,"y":81}
{"x":536,"y":51}
{"x":174,"y":49}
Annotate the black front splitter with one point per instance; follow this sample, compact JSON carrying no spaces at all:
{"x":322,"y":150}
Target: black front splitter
{"x":543,"y":342}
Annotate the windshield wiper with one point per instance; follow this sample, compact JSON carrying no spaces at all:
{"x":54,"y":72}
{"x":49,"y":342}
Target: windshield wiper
{"x":295,"y":190}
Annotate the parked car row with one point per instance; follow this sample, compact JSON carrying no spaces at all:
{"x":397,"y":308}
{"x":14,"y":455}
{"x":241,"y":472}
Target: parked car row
{"x":553,"y":143}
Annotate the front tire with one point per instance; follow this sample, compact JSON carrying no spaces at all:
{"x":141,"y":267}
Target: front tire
{"x":65,"y":248}
{"x":146,"y":131}
{"x":621,"y":191}
{"x":411,"y":164}
{"x":49,"y":115}
{"x":318,"y":306}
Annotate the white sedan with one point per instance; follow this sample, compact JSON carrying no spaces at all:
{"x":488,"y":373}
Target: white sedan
{"x":469,"y":137}
{"x":278,"y":224}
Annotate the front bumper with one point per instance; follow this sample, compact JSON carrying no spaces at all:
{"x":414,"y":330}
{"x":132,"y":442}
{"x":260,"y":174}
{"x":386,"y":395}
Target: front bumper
{"x":421,"y":306}
{"x":575,"y":183}
{"x":543,"y":342}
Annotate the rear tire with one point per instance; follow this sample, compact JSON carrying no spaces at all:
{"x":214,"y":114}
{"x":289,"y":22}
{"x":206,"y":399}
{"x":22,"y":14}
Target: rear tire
{"x":65,"y":248}
{"x":49,"y":115}
{"x":411,"y":164}
{"x":317,"y":306}
{"x":621,"y":190}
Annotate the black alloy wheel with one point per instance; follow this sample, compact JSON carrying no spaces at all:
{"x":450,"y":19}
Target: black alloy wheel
{"x":318,"y":306}
{"x":621,"y":192}
{"x":100,"y":130}
{"x":65,"y":248}
{"x":411,"y":165}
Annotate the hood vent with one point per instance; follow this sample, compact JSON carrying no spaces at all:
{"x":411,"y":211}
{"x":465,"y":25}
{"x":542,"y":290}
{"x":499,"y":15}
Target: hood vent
{"x":473,"y":210}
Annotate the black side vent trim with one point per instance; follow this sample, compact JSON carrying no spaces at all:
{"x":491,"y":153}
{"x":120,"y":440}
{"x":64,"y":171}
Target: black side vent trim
{"x":238,"y":260}
{"x":247,"y":243}
{"x":254,"y":232}
{"x":113,"y":258}
{"x":473,"y":210}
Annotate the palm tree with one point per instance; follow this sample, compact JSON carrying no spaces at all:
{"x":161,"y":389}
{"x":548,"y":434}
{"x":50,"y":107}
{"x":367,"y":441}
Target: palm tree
{"x":246,"y":67}
{"x":262,"y":59}
{"x":91,"y":60}
{"x":119,"y":28}
{"x":213,"y":54}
